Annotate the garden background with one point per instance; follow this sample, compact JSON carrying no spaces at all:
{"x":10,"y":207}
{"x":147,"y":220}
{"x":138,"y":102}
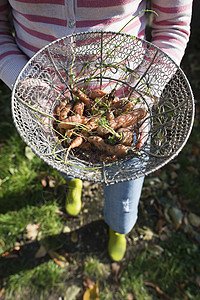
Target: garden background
{"x":47,"y":255}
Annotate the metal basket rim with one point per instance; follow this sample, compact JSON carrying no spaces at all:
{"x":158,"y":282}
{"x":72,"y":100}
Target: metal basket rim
{"x":113,"y":33}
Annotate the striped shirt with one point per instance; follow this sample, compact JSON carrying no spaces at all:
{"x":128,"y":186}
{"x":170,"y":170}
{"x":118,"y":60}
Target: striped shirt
{"x":39,"y":22}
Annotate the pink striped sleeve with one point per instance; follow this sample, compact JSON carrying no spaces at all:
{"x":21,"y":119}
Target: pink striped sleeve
{"x":171,"y":26}
{"x":11,"y":58}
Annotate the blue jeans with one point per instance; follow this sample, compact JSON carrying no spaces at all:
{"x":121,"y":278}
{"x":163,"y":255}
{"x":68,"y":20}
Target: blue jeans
{"x":121,"y":203}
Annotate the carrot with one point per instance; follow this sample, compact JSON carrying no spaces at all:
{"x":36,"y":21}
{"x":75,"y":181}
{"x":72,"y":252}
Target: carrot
{"x":117,"y":103}
{"x":71,"y":122}
{"x":82,"y":96}
{"x":128,"y":107}
{"x":69,"y":133}
{"x":102,"y":131}
{"x":127,"y":136}
{"x":65,"y":112}
{"x":76,"y":142}
{"x":129,"y":119}
{"x":98,"y":142}
{"x":124,"y":120}
{"x":91,"y":126}
{"x":78,"y":108}
{"x":93,"y":94}
{"x":92,"y":123}
{"x":141,"y":140}
{"x":120,"y":118}
{"x":119,"y":150}
{"x":62,"y":131}
{"x":86,"y":146}
{"x":61,"y":105}
{"x":110,"y":116}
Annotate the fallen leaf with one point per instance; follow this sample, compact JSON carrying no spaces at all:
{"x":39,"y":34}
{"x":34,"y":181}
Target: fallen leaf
{"x":194,"y":219}
{"x":41,"y":252}
{"x":72,"y":292}
{"x":193,"y":170}
{"x":176,"y":215}
{"x":88,"y":283}
{"x":62,"y":214}
{"x":32,"y":231}
{"x":92,"y":293}
{"x":160,"y":225}
{"x":115,"y":269}
{"x":52,"y":182}
{"x":66,"y":229}
{"x":130,"y":296}
{"x":158,"y":290}
{"x":146,"y":233}
{"x":58,"y":259}
{"x":166,"y":214}
{"x":74,"y":237}
{"x":155,"y":249}
{"x":12,"y":170}
{"x":29,"y":153}
{"x":19,"y":244}
{"x":47,"y":180}
{"x":44,"y":181}
{"x":11,"y":253}
{"x":66,"y":255}
{"x":164,"y":237}
{"x":2,"y":291}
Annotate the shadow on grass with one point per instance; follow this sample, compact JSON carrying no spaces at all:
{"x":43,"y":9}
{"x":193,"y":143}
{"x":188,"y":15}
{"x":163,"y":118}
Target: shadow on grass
{"x":91,"y":238}
{"x":33,"y":195}
{"x":16,"y":201}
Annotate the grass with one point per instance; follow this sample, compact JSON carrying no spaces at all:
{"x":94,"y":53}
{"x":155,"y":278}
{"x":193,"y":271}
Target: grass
{"x":40,"y":280}
{"x":162,"y":265}
{"x":169,"y":270}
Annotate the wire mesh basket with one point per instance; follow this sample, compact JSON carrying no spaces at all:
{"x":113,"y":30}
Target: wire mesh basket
{"x":126,"y":68}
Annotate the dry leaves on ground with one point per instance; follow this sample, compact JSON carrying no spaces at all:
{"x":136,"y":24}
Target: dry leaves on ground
{"x":92,"y":293}
{"x":32,"y":231}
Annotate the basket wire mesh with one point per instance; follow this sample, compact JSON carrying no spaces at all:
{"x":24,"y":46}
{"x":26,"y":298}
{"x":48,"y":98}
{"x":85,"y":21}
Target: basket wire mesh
{"x":107,"y":61}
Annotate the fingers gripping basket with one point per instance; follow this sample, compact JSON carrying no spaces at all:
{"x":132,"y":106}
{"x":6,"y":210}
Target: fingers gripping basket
{"x":138,"y":72}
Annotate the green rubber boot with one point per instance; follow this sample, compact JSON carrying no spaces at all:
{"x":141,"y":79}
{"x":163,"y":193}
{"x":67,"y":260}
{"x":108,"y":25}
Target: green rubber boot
{"x":73,"y":199}
{"x":116,"y":245}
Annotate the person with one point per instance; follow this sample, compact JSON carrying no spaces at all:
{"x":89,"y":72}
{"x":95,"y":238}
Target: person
{"x":39,"y":22}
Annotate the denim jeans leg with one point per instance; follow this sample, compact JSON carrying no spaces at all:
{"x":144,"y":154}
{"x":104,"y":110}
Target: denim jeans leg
{"x":67,"y":177}
{"x":121,"y":204}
